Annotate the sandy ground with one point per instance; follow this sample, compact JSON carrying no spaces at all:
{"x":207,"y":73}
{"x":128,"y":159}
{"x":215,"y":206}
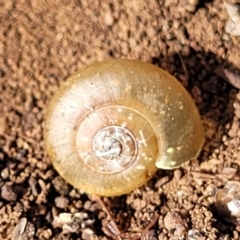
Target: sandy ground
{"x":44,"y":42}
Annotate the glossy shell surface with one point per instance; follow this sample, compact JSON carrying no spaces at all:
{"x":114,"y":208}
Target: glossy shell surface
{"x":113,"y":123}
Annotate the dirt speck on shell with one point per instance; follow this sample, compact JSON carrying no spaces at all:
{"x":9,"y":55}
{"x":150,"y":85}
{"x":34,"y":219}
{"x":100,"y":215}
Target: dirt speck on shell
{"x":44,"y":42}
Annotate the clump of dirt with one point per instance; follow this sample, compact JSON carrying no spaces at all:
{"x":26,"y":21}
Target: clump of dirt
{"x":44,"y":42}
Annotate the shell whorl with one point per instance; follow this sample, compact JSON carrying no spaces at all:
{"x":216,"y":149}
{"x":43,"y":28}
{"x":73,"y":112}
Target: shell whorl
{"x":112,"y":124}
{"x":114,"y":142}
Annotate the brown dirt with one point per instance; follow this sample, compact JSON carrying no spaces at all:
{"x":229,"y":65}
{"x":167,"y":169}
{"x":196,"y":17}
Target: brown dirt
{"x":44,"y":42}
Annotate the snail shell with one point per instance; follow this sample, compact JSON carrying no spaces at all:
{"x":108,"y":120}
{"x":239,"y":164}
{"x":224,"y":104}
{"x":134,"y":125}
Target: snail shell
{"x":112,"y":124}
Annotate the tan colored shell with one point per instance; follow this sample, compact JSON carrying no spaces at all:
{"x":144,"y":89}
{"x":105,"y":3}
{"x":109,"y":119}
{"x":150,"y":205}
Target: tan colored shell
{"x":113,"y":123}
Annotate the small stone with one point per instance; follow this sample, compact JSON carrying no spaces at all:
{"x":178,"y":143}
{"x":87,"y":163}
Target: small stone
{"x":210,"y":190}
{"x":87,"y":205}
{"x":61,"y":202}
{"x":109,"y":20}
{"x":60,"y":185}
{"x":5,"y":173}
{"x":175,"y":223}
{"x":46,"y":234}
{"x":29,"y":232}
{"x":233,"y":24}
{"x":232,"y":28}
{"x":33,"y":183}
{"x":19,"y":229}
{"x":63,"y":218}
{"x":227,"y":201}
{"x":81,"y":215}
{"x":7,"y":193}
{"x":87,"y":234}
{"x":194,"y":234}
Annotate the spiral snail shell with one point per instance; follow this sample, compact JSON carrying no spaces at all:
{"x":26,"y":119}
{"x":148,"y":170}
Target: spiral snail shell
{"x":112,"y":124}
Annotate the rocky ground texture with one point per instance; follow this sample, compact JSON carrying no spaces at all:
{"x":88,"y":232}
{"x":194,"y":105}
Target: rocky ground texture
{"x":44,"y":42}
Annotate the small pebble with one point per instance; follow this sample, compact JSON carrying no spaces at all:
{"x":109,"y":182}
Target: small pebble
{"x":227,"y":201}
{"x":194,"y":234}
{"x":174,"y":222}
{"x":233,"y":24}
{"x":61,"y":202}
{"x":7,"y":193}
{"x":62,"y":219}
{"x":19,"y":229}
{"x":87,"y":234}
{"x":5,"y":173}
